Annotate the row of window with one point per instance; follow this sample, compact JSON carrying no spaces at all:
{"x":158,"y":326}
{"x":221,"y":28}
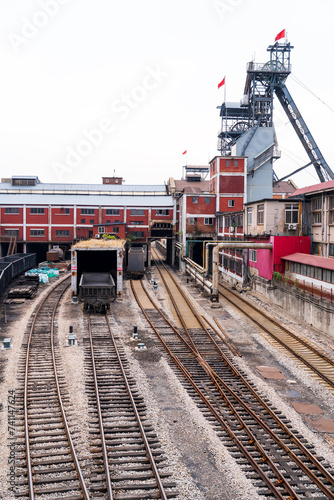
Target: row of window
{"x":102,"y":229}
{"x":317,"y":217}
{"x":291,"y":214}
{"x":208,"y":221}
{"x":310,"y":271}
{"x":234,"y":266}
{"x":207,"y":199}
{"x":233,"y":221}
{"x":37,"y":232}
{"x":88,"y":211}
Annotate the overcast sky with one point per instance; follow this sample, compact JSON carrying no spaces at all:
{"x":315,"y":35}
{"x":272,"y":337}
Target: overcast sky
{"x":92,"y":87}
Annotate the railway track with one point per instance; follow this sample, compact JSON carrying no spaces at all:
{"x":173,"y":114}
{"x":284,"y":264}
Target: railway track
{"x":307,"y":355}
{"x":128,"y":460}
{"x":278,"y":460}
{"x":52,"y":466}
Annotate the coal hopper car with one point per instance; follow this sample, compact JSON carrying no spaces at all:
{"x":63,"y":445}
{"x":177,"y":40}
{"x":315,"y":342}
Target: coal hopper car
{"x":97,"y":291}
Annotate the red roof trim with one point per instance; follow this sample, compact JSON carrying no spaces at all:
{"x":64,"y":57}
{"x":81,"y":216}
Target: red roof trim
{"x":311,"y":260}
{"x":323,"y":186}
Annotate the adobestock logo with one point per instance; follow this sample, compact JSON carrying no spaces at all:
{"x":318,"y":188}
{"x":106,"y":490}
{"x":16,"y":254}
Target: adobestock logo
{"x":31,"y":27}
{"x":223,"y":8}
{"x":120,"y":110}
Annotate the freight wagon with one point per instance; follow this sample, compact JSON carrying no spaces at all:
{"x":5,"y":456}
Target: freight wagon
{"x":97,"y":291}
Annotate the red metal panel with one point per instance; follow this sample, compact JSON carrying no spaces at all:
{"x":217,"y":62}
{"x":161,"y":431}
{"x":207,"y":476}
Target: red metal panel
{"x":310,"y":260}
{"x":231,"y":184}
{"x":269,"y":261}
{"x":201,"y":207}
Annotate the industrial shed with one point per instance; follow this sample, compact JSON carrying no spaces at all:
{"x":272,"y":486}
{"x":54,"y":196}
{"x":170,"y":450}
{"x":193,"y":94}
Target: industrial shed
{"x":97,"y":256}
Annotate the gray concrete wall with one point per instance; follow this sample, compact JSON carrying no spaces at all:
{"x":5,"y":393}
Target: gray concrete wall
{"x":317,"y":313}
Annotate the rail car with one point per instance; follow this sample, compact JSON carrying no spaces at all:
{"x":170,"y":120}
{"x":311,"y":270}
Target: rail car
{"x":97,"y":291}
{"x":136,"y":262}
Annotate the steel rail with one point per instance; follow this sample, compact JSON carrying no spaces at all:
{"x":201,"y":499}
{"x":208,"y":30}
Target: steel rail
{"x":26,"y":378}
{"x":282,"y":327}
{"x":135,"y":410}
{"x":278,"y":441}
{"x":280,"y":341}
{"x":98,"y":403}
{"x":67,"y":429}
{"x":210,"y":372}
{"x":281,"y":424}
{"x":221,"y":421}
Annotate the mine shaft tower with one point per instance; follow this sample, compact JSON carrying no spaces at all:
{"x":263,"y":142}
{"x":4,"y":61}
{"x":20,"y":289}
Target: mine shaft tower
{"x":255,"y":111}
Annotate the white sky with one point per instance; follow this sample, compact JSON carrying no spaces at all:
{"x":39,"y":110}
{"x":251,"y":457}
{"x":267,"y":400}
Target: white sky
{"x":72,"y":74}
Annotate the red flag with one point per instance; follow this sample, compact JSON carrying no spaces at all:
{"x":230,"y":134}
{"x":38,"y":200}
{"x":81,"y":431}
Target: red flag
{"x":221,"y":83}
{"x":184,"y":152}
{"x":280,"y":35}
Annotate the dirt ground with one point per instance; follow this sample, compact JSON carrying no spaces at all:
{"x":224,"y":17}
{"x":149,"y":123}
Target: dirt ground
{"x":202,"y":467}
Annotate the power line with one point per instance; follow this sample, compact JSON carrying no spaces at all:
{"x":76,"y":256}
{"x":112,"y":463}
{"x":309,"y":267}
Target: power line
{"x":297,"y":80}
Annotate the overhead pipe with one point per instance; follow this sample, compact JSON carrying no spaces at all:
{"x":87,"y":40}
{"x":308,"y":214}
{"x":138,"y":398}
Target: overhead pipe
{"x":215,"y":260}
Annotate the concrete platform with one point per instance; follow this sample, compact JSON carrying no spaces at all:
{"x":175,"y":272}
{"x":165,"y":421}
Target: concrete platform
{"x":306,"y":408}
{"x":270,"y":372}
{"x":321,"y":424}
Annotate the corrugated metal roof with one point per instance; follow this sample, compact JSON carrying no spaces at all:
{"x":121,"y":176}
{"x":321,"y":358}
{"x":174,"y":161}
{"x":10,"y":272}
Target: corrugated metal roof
{"x":85,"y":187}
{"x":203,"y":186}
{"x":284,"y":187}
{"x":311,"y":260}
{"x":82,"y":200}
{"x":322,"y":186}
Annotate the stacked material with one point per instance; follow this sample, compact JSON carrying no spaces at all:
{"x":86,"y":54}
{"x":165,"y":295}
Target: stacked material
{"x":44,"y":273}
{"x":24,"y":288}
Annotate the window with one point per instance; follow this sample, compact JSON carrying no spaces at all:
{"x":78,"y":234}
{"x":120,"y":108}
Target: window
{"x":207,"y":199}
{"x":331,"y":216}
{"x":24,"y":182}
{"x":327,"y":275}
{"x":318,"y":273}
{"x":235,"y":163}
{"x":316,"y":218}
{"x":36,"y":210}
{"x":12,"y":232}
{"x":66,"y":211}
{"x":331,"y":249}
{"x":192,"y":221}
{"x":83,"y":221}
{"x":112,"y":211}
{"x":12,"y":210}
{"x":115,"y":229}
{"x":88,"y":211}
{"x":138,"y":234}
{"x":135,"y":222}
{"x":36,"y":232}
{"x":240,"y":220}
{"x":160,"y":211}
{"x":91,"y":221}
{"x":249,"y":215}
{"x":317,"y":204}
{"x":253,"y":255}
{"x":208,"y":221}
{"x":231,"y":203}
{"x":62,"y":232}
{"x":291,"y":214}
{"x":108,"y":221}
{"x":227,"y":163}
{"x":260,"y":213}
{"x":331,"y":202}
{"x":195,"y":199}
{"x":137,"y":211}
{"x":101,"y":230}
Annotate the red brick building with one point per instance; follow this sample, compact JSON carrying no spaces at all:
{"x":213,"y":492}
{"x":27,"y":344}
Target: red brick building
{"x":41,"y":215}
